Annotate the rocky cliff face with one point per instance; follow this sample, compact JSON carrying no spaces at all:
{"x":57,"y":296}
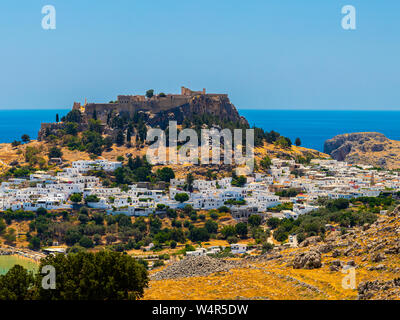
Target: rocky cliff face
{"x":218,"y":106}
{"x":371,"y":148}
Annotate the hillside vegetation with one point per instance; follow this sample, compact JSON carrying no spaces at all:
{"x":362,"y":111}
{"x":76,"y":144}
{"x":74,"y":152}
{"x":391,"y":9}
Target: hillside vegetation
{"x":372,"y":249}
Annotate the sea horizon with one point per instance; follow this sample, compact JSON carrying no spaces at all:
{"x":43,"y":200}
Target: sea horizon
{"x":313,"y":127}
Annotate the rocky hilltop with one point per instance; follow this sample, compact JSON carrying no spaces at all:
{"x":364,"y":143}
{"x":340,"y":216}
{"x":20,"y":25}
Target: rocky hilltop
{"x":153,"y":110}
{"x":119,"y":128}
{"x":370,"y":148}
{"x":104,"y":129}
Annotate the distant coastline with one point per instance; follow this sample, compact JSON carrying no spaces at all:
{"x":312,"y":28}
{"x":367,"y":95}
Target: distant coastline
{"x":314,"y":127}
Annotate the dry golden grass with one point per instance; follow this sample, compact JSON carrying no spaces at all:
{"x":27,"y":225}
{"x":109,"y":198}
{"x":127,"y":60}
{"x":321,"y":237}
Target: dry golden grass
{"x":263,"y":281}
{"x":276,"y":279}
{"x":260,"y":282}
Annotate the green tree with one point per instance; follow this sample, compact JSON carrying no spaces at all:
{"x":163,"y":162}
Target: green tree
{"x":72,"y":236}
{"x":254,"y":220}
{"x":3,"y":226}
{"x":273,"y":223}
{"x":16,"y":284}
{"x":25,"y":138}
{"x":241,"y":229}
{"x":338,"y":204}
{"x":143,"y":174}
{"x":98,"y":218}
{"x":57,"y":118}
{"x":95,"y":125}
{"x":211,"y":226}
{"x":188,"y":209}
{"x":73,"y":116}
{"x":265,"y":163}
{"x":165,"y":174}
{"x":10,"y":236}
{"x":71,"y":128}
{"x":181,"y":197}
{"x":280,"y":234}
{"x":119,"y":140}
{"x":214,"y":215}
{"x":83,"y":219}
{"x":92,"y":198}
{"x":283,"y":142}
{"x":76,"y":197}
{"x":41,"y":211}
{"x":238,"y":181}
{"x":55,"y":152}
{"x":173,"y":244}
{"x":232,"y":239}
{"x":189,"y":182}
{"x":266,"y":246}
{"x":199,"y":234}
{"x":107,"y":142}
{"x":149,"y":93}
{"x":34,"y":243}
{"x":297,"y":142}
{"x":93,"y":142}
{"x":86,"y":242}
{"x":104,"y":275}
{"x":228,"y":231}
{"x":224,"y":209}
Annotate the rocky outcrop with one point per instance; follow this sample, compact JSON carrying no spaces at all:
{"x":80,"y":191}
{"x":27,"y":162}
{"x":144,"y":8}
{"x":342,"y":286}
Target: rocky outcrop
{"x":194,"y":267}
{"x":379,"y":290}
{"x":307,"y":260}
{"x":47,"y":129}
{"x":159,"y":111}
{"x":154,"y":112}
{"x":369,"y":148}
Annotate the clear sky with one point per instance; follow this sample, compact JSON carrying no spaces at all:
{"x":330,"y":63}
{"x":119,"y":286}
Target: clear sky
{"x":265,"y":54}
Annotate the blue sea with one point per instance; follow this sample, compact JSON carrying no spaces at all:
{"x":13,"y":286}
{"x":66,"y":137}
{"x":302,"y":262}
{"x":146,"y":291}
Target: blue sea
{"x":313,"y":127}
{"x":15,"y":123}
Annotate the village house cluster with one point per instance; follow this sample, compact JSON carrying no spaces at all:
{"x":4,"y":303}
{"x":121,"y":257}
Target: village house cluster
{"x":321,"y":178}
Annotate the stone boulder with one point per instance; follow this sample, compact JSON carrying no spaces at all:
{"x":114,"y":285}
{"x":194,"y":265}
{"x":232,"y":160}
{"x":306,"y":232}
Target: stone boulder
{"x":307,"y":260}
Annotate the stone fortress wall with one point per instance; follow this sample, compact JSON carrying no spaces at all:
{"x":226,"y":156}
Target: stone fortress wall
{"x":133,"y":103}
{"x":161,"y":109}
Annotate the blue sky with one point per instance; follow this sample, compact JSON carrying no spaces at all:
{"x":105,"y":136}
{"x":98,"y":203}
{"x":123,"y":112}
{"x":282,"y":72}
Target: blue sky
{"x":266,"y":54}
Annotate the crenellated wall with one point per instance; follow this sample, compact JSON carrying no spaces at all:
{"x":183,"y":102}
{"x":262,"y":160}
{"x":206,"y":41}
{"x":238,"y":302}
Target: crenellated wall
{"x":156,"y":104}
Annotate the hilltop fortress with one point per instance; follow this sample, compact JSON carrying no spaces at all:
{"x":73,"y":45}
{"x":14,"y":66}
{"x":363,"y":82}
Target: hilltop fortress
{"x":159,"y":109}
{"x":189,"y":101}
